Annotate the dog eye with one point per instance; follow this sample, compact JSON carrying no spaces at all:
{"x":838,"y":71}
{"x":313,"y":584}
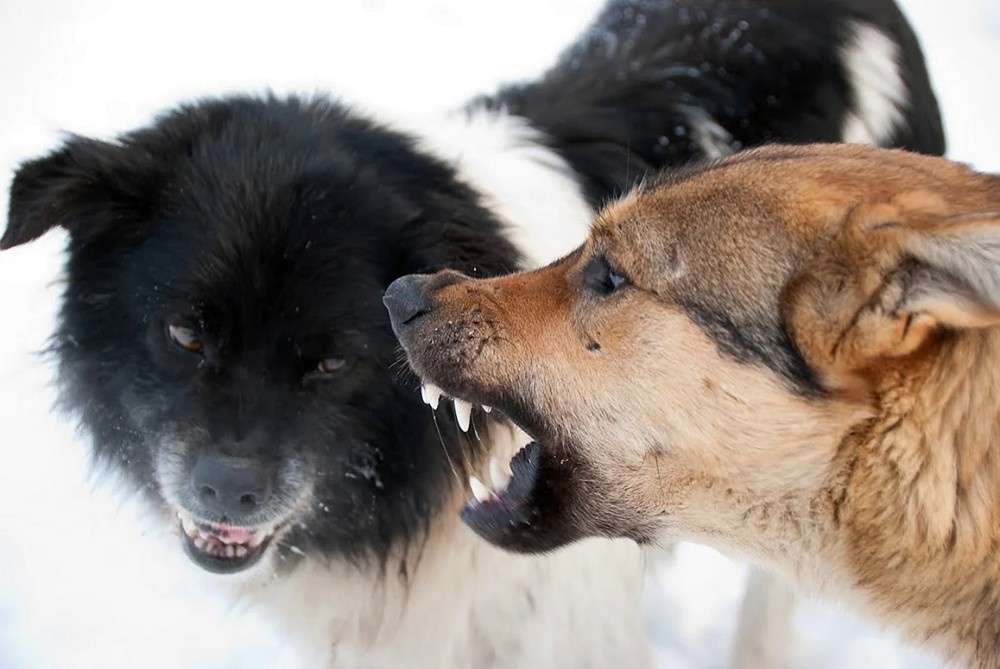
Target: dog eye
{"x":331,"y":365}
{"x":601,"y":277}
{"x":186,"y":338}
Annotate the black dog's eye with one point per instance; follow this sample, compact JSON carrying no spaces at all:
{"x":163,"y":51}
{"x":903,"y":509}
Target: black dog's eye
{"x":601,"y":277}
{"x":326,"y":369}
{"x":186,"y":338}
{"x":331,"y":365}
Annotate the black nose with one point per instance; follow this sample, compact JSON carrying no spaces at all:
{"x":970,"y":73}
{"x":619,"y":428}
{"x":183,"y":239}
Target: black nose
{"x":404,"y":298}
{"x":230,"y":487}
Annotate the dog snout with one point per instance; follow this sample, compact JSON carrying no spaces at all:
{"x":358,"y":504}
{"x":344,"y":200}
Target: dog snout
{"x":410,"y":297}
{"x":232,"y":487}
{"x":405,"y":300}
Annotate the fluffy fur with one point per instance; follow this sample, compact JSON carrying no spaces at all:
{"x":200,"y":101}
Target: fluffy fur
{"x":222,"y":338}
{"x":790,"y":355}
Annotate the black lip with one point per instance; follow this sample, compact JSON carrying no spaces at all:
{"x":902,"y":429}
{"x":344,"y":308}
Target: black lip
{"x":506,"y":519}
{"x":224,"y":565}
{"x":538,"y":511}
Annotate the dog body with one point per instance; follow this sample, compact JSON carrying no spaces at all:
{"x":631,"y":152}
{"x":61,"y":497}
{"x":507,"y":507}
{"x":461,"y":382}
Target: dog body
{"x":222,"y":336}
{"x":790,"y":354}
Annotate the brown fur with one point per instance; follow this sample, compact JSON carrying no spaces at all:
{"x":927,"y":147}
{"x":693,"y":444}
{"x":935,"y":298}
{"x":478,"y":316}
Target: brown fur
{"x":803,"y":367}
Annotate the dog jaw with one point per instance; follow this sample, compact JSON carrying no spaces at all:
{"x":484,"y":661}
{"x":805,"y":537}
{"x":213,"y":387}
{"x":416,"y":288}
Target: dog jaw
{"x":220,"y":545}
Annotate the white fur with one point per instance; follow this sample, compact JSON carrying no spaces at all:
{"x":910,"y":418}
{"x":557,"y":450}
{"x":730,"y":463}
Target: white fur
{"x":529,"y":186}
{"x":467,"y":604}
{"x":871,"y":59}
{"x":714,"y":140}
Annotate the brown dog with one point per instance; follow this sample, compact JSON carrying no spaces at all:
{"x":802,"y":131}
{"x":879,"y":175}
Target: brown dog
{"x":790,"y":354}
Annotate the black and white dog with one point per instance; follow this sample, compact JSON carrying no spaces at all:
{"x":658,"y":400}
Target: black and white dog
{"x":223,"y":340}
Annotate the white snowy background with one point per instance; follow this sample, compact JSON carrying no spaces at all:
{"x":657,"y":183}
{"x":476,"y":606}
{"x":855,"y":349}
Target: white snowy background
{"x":82,"y":583}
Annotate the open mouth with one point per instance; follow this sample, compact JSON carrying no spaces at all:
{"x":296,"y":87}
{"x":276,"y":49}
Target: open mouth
{"x":530,"y":506}
{"x":508,"y":506}
{"x":506,"y":511}
{"x":222,"y":548}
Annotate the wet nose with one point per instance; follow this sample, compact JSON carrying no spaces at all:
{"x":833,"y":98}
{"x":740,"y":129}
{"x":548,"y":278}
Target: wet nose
{"x":405,"y":300}
{"x":230,"y":487}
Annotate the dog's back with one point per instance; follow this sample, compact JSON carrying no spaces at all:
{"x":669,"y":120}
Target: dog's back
{"x":655,"y":84}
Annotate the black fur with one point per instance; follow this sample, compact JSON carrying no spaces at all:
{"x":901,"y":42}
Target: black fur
{"x":621,"y":102}
{"x":272,"y":226}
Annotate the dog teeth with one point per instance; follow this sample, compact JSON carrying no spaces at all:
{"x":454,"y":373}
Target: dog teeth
{"x":221,"y":545}
{"x":187,"y":522}
{"x":463,"y":413}
{"x":431,"y":394}
{"x":499,"y":477}
{"x":479,"y":490}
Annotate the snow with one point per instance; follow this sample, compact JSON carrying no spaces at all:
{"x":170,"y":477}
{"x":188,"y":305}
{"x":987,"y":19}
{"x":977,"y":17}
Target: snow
{"x":81,"y":585}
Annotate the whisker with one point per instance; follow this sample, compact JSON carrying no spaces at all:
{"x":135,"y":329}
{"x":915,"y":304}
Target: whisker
{"x":445,"y":448}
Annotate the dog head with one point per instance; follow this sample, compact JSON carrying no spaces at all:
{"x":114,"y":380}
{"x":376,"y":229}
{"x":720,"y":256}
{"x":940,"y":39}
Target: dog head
{"x":222,"y":334}
{"x":721,"y":332}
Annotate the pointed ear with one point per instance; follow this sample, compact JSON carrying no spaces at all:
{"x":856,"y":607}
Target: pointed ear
{"x":78,"y":187}
{"x":890,"y":285}
{"x":959,"y":282}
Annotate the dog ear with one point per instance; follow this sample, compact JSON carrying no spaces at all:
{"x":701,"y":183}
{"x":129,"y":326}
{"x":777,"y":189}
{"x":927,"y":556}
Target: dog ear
{"x":892,"y":282}
{"x":82,"y":187}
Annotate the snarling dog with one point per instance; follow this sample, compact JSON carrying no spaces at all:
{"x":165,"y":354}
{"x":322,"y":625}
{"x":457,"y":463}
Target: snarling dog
{"x":791,"y":354}
{"x":222,"y":337}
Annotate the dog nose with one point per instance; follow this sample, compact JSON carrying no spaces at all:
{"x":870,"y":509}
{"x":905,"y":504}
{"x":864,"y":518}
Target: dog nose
{"x":411,"y":296}
{"x":230,"y":487}
{"x":404,"y":299}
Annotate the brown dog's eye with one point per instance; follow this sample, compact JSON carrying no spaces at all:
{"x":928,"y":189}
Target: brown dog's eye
{"x":331,"y":365}
{"x":601,"y":277}
{"x":186,"y":338}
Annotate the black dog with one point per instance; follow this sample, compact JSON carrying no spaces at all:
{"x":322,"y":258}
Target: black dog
{"x":222,"y":335}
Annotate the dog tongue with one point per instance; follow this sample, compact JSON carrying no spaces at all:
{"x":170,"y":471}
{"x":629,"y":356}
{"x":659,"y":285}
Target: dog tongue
{"x":231,"y":535}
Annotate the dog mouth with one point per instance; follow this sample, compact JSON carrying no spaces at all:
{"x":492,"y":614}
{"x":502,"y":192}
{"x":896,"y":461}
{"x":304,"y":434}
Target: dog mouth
{"x":550,"y":494}
{"x":223,"y":548}
{"x":505,"y":510}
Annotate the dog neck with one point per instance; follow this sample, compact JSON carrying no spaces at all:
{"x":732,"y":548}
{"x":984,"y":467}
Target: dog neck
{"x":905,"y":522}
{"x":526,"y":184}
{"x":920,"y":520}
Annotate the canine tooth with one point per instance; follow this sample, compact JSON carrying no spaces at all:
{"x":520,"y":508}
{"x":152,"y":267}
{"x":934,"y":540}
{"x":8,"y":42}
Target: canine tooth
{"x":187,"y":522}
{"x":298,"y":551}
{"x":479,"y":490}
{"x":487,"y":408}
{"x":241,"y":551}
{"x":200,"y":543}
{"x":499,"y":477}
{"x":431,"y":394}
{"x":463,"y":412}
